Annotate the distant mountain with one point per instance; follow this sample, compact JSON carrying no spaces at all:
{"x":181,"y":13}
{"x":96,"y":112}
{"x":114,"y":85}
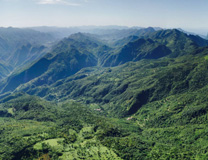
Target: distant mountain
{"x":153,"y":45}
{"x":198,"y":40}
{"x":5,"y":69}
{"x":83,"y":42}
{"x":125,"y":40}
{"x":196,"y":33}
{"x":128,"y":94}
{"x":85,"y":50}
{"x":19,"y":47}
{"x":137,"y":50}
{"x":66,"y":58}
{"x":26,"y":54}
{"x":178,"y":42}
{"x":13,"y":38}
{"x":124,"y":89}
{"x":64,"y":32}
{"x":108,"y":33}
{"x":141,"y":33}
{"x":114,"y":35}
{"x":58,"y":32}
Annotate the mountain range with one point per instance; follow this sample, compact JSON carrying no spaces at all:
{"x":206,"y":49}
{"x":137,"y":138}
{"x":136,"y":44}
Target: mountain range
{"x":103,"y":93}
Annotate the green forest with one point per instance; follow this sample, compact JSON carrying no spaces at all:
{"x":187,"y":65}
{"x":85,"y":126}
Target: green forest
{"x":130,"y":94}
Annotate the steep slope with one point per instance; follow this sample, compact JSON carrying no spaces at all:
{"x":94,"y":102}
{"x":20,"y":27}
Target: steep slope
{"x":19,"y":47}
{"x":111,"y":36}
{"x":135,"y":51}
{"x":160,"y":104}
{"x":200,"y":41}
{"x":180,"y":43}
{"x":66,"y":58}
{"x":82,"y":42}
{"x":164,"y":103}
{"x":83,"y":50}
{"x":123,"y":90}
{"x":26,"y":54}
{"x":5,"y":70}
{"x":125,"y":41}
{"x":153,"y":45}
{"x":13,"y":38}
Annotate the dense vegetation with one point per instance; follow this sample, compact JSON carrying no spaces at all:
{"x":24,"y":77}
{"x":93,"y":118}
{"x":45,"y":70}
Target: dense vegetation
{"x":137,"y":94}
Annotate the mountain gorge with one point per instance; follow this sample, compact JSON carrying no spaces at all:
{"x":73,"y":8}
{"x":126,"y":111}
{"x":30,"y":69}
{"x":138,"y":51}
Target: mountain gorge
{"x":119,"y":94}
{"x":21,"y":46}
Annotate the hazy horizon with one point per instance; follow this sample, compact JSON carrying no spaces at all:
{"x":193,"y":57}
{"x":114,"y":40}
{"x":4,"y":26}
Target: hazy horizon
{"x":189,"y":15}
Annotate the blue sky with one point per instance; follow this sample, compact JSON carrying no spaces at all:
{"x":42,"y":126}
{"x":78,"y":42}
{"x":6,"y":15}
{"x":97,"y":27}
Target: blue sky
{"x":187,"y":14}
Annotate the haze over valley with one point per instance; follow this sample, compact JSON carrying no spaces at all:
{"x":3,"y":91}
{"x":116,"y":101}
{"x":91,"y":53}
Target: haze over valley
{"x":103,"y":80}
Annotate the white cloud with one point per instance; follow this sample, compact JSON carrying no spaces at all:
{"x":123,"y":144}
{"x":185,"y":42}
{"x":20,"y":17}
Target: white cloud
{"x":63,"y":2}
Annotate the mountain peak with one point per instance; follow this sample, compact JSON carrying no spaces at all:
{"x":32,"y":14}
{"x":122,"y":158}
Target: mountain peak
{"x":150,"y":29}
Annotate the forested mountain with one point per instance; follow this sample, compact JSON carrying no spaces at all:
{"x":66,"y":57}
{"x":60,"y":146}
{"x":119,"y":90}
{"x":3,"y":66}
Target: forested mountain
{"x":137,"y":50}
{"x":21,"y":46}
{"x":13,"y":38}
{"x":26,"y":54}
{"x":113,"y":94}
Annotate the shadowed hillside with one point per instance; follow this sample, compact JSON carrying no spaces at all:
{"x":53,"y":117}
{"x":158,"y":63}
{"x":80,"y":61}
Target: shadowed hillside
{"x":137,"y":94}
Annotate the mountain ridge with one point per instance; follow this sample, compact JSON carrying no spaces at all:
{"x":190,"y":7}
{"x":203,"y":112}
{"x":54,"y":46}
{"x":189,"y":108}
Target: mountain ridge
{"x":95,"y":97}
{"x":89,"y":47}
